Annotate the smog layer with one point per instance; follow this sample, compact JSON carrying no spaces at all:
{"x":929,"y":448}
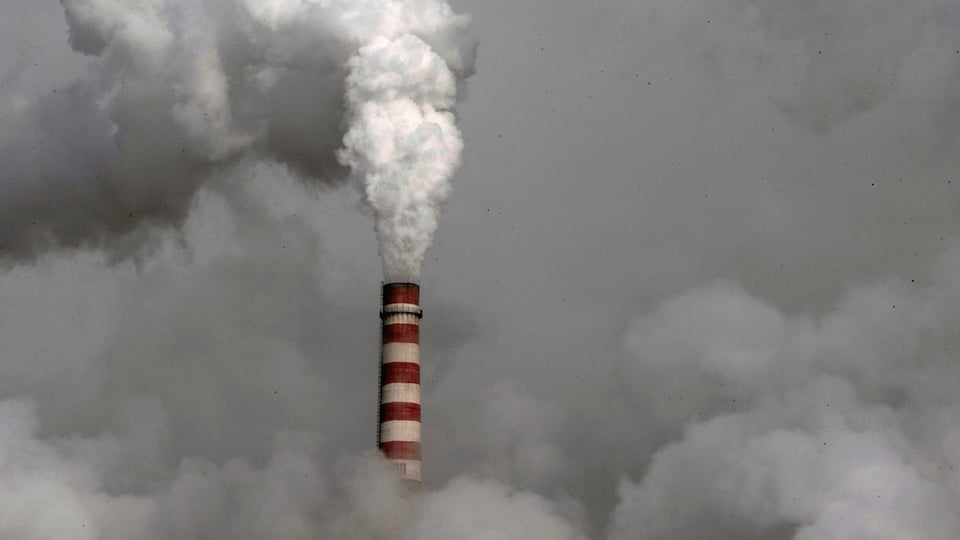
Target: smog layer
{"x":699,"y":275}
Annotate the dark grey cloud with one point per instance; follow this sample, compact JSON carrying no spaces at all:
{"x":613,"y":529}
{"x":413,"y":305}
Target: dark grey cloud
{"x":176,"y":94}
{"x":695,"y":277}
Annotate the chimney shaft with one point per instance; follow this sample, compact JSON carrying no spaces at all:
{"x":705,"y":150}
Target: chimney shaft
{"x":398,"y":436}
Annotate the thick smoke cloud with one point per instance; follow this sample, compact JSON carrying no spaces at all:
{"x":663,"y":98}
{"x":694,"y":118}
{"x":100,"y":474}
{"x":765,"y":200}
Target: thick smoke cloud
{"x":697,"y":283}
{"x":403,"y":143}
{"x":200,"y":413}
{"x":829,"y":426}
{"x":177,"y":408}
{"x":184,"y":90}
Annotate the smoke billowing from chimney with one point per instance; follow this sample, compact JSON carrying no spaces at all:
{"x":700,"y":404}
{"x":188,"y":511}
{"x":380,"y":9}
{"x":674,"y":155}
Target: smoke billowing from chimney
{"x":403,"y":143}
{"x":180,"y":93}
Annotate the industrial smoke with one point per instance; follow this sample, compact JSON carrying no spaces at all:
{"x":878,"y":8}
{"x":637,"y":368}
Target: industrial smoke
{"x":185,"y":93}
{"x":402,"y":143}
{"x":722,"y":300}
{"x":177,"y":95}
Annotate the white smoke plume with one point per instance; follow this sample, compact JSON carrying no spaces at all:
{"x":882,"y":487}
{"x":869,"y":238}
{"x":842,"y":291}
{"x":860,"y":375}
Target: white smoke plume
{"x":181,"y":92}
{"x":404,"y":144}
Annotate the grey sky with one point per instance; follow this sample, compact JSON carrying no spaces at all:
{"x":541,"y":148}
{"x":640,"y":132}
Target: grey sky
{"x":698,"y":274}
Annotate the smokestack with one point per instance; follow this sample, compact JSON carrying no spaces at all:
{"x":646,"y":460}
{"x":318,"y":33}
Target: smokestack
{"x":398,"y":434}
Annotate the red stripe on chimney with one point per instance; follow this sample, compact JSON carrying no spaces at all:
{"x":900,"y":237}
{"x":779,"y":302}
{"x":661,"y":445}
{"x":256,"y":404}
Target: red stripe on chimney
{"x":400,"y":411}
{"x":401,"y":333}
{"x":400,"y":372}
{"x":401,"y":450}
{"x":401,"y":293}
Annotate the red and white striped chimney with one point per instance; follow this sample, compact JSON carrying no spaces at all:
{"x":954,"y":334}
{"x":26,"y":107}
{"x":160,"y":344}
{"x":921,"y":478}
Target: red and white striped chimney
{"x":398,"y":436}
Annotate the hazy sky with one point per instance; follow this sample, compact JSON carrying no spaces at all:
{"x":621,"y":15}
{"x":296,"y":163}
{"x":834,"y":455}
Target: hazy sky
{"x":698,"y":277}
